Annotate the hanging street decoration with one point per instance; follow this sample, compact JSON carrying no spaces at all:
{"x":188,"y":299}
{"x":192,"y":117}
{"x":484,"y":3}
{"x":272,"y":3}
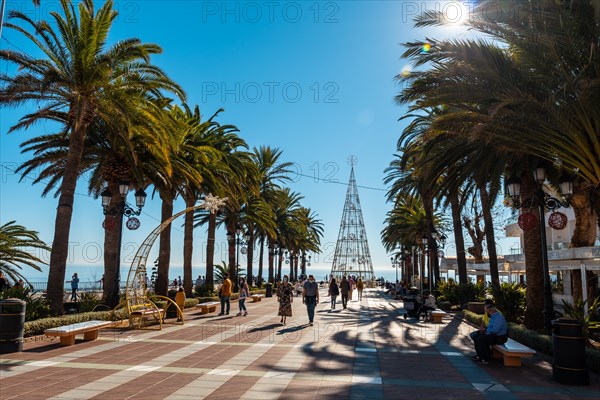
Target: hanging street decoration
{"x":558,"y":220}
{"x":528,"y":221}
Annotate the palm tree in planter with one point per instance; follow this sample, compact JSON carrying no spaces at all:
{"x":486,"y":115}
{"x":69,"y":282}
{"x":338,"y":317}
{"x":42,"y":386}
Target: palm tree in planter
{"x":82,"y":78}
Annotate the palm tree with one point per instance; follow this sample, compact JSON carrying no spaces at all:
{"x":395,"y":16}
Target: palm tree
{"x":81,"y":79}
{"x":15,"y":240}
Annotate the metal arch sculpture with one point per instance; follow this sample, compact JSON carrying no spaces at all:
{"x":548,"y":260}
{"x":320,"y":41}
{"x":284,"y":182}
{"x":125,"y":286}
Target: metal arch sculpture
{"x":136,"y":288}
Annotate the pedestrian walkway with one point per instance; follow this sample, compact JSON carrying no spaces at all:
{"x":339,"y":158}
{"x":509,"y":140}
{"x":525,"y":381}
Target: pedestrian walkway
{"x":365,"y":352}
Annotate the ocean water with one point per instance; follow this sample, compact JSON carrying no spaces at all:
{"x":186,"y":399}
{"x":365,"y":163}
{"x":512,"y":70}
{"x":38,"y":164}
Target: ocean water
{"x":91,"y":274}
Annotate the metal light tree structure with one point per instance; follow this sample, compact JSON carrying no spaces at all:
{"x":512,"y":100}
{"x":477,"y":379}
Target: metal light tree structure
{"x":352,"y":256}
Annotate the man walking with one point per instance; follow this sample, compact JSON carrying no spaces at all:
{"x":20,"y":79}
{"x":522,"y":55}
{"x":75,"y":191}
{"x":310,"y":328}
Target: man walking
{"x":225,"y":294}
{"x":495,"y":333}
{"x":345,"y":289}
{"x":310,"y":297}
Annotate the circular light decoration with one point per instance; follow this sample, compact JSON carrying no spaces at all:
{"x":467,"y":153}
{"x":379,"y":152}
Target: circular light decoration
{"x":109,"y":223}
{"x":558,"y":220}
{"x":362,"y":260}
{"x":244,"y":250}
{"x":133,"y":223}
{"x":352,"y":236}
{"x":527,"y":221}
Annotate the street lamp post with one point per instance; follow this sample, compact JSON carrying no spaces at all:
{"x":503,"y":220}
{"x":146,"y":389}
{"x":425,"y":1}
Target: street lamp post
{"x":119,"y":211}
{"x":395,"y":264}
{"x":239,"y":242}
{"x":544,"y":202}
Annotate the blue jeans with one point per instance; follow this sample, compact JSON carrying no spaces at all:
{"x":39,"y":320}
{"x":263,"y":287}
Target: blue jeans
{"x":242,"y":303}
{"x":333,"y":299}
{"x":311,"y":303}
{"x":225,"y":300}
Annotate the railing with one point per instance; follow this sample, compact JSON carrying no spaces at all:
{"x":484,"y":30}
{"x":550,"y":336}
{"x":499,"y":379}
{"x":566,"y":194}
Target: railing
{"x":91,"y":286}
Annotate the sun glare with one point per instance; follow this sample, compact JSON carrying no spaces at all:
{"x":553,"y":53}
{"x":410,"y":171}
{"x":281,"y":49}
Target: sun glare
{"x":456,"y":13}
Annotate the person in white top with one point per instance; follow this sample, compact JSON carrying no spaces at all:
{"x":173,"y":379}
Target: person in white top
{"x":429,"y":304}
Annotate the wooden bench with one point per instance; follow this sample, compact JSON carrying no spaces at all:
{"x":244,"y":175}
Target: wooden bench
{"x":67,"y":333}
{"x":437,"y":315}
{"x":208,"y":307}
{"x":257,"y":297}
{"x":512,"y":352}
{"x":141,"y":312}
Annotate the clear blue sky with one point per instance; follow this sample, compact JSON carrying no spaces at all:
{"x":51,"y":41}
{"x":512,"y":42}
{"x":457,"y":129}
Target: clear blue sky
{"x":315,"y":79}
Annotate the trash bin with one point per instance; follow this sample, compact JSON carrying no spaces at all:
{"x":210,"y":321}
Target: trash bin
{"x":171,"y":309}
{"x":269,"y":290}
{"x":12,"y":325}
{"x":568,"y":360}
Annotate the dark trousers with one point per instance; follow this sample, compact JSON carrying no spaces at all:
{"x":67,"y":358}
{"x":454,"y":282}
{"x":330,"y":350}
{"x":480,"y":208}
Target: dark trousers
{"x":311,"y":303}
{"x":225,"y":302}
{"x":484,"y":342}
{"x":474,"y":335}
{"x":344,"y":299}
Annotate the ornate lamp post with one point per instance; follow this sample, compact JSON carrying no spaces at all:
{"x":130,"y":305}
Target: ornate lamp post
{"x":544,"y":202}
{"x":396,"y":265}
{"x":239,"y":242}
{"x":118,"y":211}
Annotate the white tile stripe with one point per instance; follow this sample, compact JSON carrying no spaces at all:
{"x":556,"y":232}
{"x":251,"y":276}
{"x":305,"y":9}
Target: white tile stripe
{"x":114,"y":380}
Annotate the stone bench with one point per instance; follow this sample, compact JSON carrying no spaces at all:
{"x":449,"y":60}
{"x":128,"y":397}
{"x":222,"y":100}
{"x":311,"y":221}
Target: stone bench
{"x":208,"y":307}
{"x":67,"y":333}
{"x":512,"y":352}
{"x":257,"y":297}
{"x":437,"y":315}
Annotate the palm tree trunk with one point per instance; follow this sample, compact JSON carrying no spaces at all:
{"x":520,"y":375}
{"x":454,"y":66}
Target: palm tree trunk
{"x":164,"y":252}
{"x":112,"y":260}
{"x":210,"y":250}
{"x":231,"y":253}
{"x":534,"y":318}
{"x":280,"y":261}
{"x":188,"y":245}
{"x":250,"y":255}
{"x":271,"y":258}
{"x":486,"y":209}
{"x":62,"y":224}
{"x":431,"y":243}
{"x":459,"y":240}
{"x":261,"y":252}
{"x":584,"y":234}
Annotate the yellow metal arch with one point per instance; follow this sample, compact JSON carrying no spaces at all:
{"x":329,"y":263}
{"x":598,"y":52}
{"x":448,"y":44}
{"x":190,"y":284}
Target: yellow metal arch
{"x":136,"y":289}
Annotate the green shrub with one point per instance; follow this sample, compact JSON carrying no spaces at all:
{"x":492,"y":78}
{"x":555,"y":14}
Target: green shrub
{"x":510,"y":300}
{"x":204,"y":291}
{"x":472,"y":317}
{"x":461,"y":294}
{"x":38,"y":327}
{"x":36,"y":307}
{"x":87,"y":301}
{"x":592,"y":359}
{"x":529,"y":338}
{"x":587,"y":319}
{"x":444,"y":305}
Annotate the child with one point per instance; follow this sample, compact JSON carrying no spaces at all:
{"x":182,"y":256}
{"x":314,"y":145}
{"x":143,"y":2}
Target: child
{"x":180,"y":301}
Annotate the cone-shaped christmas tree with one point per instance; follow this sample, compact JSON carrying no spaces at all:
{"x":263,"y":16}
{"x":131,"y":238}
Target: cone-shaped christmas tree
{"x":352,"y":256}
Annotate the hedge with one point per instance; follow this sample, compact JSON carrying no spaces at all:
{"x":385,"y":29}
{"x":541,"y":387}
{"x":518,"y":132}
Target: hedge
{"x":538,"y":341}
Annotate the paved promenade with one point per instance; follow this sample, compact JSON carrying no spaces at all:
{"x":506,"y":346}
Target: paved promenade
{"x":365,"y":352}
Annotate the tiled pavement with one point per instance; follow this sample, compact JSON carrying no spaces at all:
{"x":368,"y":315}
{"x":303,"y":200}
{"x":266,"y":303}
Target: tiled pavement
{"x":366,"y":351}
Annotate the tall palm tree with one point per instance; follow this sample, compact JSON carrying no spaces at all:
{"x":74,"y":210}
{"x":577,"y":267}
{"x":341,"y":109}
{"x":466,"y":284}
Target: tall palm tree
{"x":81,"y":78}
{"x":16,"y":245}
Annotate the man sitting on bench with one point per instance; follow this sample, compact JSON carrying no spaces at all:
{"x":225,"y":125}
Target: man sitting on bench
{"x":496,"y":332}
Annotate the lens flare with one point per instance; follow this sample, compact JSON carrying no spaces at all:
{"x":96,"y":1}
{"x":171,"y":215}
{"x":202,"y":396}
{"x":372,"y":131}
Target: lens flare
{"x":406,"y":71}
{"x":426,"y":48}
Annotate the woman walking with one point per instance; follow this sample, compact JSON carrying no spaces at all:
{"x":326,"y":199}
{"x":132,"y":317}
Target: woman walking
{"x":360,"y":286}
{"x":285,"y":297}
{"x":243,"y":296}
{"x":334,"y":291}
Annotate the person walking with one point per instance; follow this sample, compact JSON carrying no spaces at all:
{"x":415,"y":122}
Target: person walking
{"x":334,"y":292}
{"x":496,"y":332}
{"x":225,"y":294}
{"x":345,"y":289}
{"x":352,"y":287}
{"x":285,"y":297}
{"x":310,"y":297}
{"x":74,"y":286}
{"x":359,"y":287}
{"x":244,"y":294}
